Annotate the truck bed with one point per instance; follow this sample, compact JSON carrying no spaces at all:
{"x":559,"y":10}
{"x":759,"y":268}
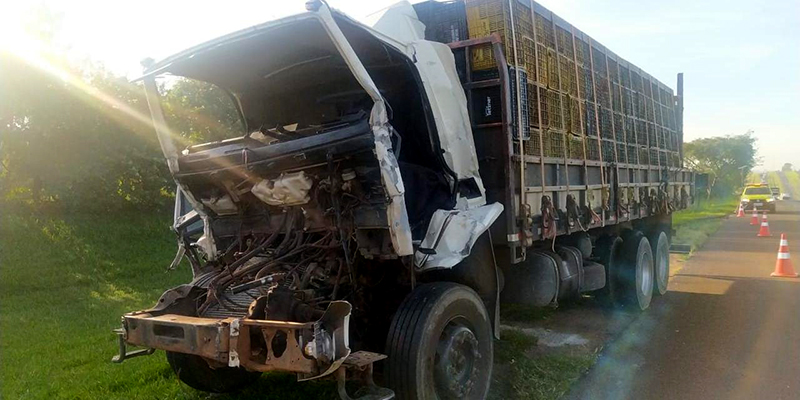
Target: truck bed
{"x":600,"y":138}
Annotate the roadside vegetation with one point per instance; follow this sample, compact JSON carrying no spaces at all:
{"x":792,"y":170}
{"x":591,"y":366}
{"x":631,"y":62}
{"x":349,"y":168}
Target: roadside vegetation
{"x":695,"y":225}
{"x":522,"y":373}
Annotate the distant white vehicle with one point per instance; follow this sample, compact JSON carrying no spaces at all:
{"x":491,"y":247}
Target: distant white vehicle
{"x":786,"y":196}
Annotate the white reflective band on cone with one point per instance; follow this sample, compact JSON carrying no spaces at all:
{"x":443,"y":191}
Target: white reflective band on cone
{"x":764,"y":224}
{"x":784,"y":242}
{"x":783,"y":256}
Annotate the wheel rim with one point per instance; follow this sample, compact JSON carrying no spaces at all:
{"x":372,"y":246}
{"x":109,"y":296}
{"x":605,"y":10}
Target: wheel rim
{"x":647,"y":273}
{"x":456,"y":361}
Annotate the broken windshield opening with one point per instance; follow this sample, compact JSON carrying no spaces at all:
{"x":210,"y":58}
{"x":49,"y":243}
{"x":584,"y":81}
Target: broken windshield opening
{"x":287,"y":88}
{"x":200,"y":112}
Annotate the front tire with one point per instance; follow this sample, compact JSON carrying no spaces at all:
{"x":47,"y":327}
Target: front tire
{"x":440,"y":344}
{"x":194,"y":371}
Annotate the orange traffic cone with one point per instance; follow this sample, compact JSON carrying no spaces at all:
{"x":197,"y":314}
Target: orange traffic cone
{"x":740,"y":213}
{"x":764,"y":231}
{"x":783,"y":267}
{"x":754,"y":218}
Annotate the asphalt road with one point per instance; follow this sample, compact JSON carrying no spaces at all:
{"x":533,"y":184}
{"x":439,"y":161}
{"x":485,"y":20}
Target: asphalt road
{"x":792,"y":191}
{"x":725,"y":330}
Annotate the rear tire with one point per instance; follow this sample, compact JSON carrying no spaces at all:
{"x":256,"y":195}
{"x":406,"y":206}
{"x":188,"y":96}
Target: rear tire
{"x":636,"y":276}
{"x":660,"y":242}
{"x":440,"y":344}
{"x":608,"y":251}
{"x":194,"y":371}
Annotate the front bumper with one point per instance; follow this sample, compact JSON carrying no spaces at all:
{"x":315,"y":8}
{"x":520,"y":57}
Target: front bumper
{"x":760,"y":205}
{"x":312,"y":349}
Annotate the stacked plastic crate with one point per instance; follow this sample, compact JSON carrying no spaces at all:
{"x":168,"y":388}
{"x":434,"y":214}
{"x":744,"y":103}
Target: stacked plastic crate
{"x":485,"y":17}
{"x":444,"y":22}
{"x":582,"y":100}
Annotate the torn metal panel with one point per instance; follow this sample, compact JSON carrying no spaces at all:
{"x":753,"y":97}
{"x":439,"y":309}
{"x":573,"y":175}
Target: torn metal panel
{"x":398,"y":21}
{"x":399,"y":227}
{"x":436,"y":67}
{"x":451,"y":235}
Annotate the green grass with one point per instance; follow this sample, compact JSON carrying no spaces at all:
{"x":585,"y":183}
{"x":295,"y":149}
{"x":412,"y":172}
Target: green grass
{"x":64,"y":284}
{"x":694,"y":225}
{"x":526,"y":375}
{"x":794,"y":180}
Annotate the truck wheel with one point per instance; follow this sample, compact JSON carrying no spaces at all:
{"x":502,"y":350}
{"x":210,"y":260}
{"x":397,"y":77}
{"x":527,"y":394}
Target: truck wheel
{"x":440,"y":344}
{"x":608,"y":251}
{"x":660,"y":243}
{"x":194,"y":371}
{"x":636,"y":275}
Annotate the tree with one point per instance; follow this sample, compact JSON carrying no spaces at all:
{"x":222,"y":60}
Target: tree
{"x":727,"y":159}
{"x":200,"y":112}
{"x":787,"y":167}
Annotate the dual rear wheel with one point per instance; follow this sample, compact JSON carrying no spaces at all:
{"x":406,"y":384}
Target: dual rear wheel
{"x":637,"y":268}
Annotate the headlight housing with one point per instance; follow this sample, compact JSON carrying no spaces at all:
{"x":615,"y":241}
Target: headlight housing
{"x":745,"y":200}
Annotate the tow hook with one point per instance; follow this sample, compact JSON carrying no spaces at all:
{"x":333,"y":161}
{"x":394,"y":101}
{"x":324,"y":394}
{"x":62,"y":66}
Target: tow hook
{"x":123,"y":349}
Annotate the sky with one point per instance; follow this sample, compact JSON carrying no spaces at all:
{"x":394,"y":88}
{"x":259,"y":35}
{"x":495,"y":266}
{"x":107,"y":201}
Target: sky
{"x":740,"y":58}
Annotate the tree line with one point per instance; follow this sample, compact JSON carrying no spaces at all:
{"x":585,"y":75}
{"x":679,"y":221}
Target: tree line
{"x":78,"y":137}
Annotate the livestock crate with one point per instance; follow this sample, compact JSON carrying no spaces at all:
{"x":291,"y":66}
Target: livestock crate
{"x":554,"y":109}
{"x":608,"y":151}
{"x":485,"y":17}
{"x":644,"y":156}
{"x":567,"y":74}
{"x":616,"y":97}
{"x":592,"y":149}
{"x":590,"y":119}
{"x":444,"y":22}
{"x":533,"y":146}
{"x":641,"y":132}
{"x":599,"y":61}
{"x":630,"y":130}
{"x":553,"y":143}
{"x":633,"y":154}
{"x":525,"y":100}
{"x":542,"y":69}
{"x":575,"y":116}
{"x":619,"y":128}
{"x":533,"y":104}
{"x":653,"y":156}
{"x":552,"y":69}
{"x":602,"y":90}
{"x":575,"y":146}
{"x":621,"y":153}
{"x":606,"y":130}
{"x":584,"y":84}
{"x":544,"y":31}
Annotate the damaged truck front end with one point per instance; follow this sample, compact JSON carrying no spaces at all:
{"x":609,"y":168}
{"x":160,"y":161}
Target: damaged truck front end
{"x":354,"y":181}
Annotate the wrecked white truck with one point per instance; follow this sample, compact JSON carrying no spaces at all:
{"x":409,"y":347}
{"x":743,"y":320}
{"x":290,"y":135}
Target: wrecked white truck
{"x":355,"y":219}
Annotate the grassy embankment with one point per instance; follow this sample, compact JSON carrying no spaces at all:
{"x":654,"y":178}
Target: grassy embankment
{"x":693,"y":226}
